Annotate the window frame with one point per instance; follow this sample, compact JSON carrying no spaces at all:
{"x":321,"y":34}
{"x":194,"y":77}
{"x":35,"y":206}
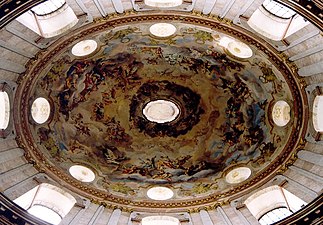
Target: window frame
{"x":274,"y":209}
{"x":282,"y":6}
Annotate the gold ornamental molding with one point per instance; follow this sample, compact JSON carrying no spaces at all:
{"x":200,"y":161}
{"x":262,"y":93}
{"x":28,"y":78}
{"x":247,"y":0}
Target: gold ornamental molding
{"x":34,"y":67}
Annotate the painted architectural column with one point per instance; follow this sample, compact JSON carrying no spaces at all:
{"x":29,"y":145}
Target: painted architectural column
{"x":196,"y":219}
{"x":298,"y":189}
{"x":246,"y":216}
{"x":308,"y":52}
{"x":22,"y":187}
{"x":304,"y":179}
{"x":15,"y":49}
{"x":188,"y":216}
{"x":7,"y":144}
{"x":115,"y":217}
{"x":313,"y":69}
{"x":74,"y":216}
{"x":10,"y":154}
{"x":206,"y":220}
{"x":311,"y":157}
{"x":307,"y":174}
{"x":132,"y":216}
{"x":16,"y":175}
{"x":96,"y":215}
{"x":124,"y":217}
{"x":216,"y":217}
{"x":225,"y":218}
{"x":11,"y":66}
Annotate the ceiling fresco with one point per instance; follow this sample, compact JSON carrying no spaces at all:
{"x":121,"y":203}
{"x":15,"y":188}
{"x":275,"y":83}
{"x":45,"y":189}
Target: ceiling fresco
{"x":97,"y":115}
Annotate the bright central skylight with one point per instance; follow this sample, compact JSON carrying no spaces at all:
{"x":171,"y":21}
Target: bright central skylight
{"x":161,"y":111}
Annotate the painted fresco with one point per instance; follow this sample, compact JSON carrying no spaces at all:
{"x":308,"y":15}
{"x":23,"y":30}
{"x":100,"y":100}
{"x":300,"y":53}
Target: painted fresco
{"x":97,"y":104}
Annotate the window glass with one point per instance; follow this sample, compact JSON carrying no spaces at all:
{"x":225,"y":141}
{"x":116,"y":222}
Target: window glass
{"x":49,"y":19}
{"x":278,"y":9}
{"x":4,"y":110}
{"x":281,"y":113}
{"x":274,"y":216}
{"x":317,"y":113}
{"x":163,"y":3}
{"x":270,"y":198}
{"x":160,"y":220}
{"x":48,"y":7}
{"x":40,"y":110}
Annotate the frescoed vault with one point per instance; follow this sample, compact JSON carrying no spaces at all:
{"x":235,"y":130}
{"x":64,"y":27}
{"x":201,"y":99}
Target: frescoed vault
{"x":224,"y":103}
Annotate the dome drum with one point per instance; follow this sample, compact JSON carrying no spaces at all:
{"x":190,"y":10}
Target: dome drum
{"x":99,"y":106}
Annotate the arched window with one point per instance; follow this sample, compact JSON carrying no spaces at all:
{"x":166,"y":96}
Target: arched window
{"x":269,"y":205}
{"x":278,"y":9}
{"x":274,"y":216}
{"x":49,"y":19}
{"x":4,"y":110}
{"x":163,"y":3}
{"x":160,"y":220}
{"x":317,"y":113}
{"x":47,"y":202}
{"x":276,"y":21}
{"x":48,"y":7}
{"x":160,"y":193}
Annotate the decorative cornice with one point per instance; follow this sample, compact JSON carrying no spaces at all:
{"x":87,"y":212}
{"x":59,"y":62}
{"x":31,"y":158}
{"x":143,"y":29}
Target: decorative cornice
{"x":105,"y":198}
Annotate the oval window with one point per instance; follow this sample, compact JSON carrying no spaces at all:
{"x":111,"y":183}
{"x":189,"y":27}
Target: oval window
{"x":161,"y":111}
{"x":318,"y":113}
{"x":281,"y":113}
{"x":239,"y":50}
{"x":160,"y":193}
{"x":84,"y":48}
{"x":238,"y":175}
{"x":82,"y":173}
{"x":162,"y":30}
{"x":40,"y":110}
{"x":4,"y":110}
